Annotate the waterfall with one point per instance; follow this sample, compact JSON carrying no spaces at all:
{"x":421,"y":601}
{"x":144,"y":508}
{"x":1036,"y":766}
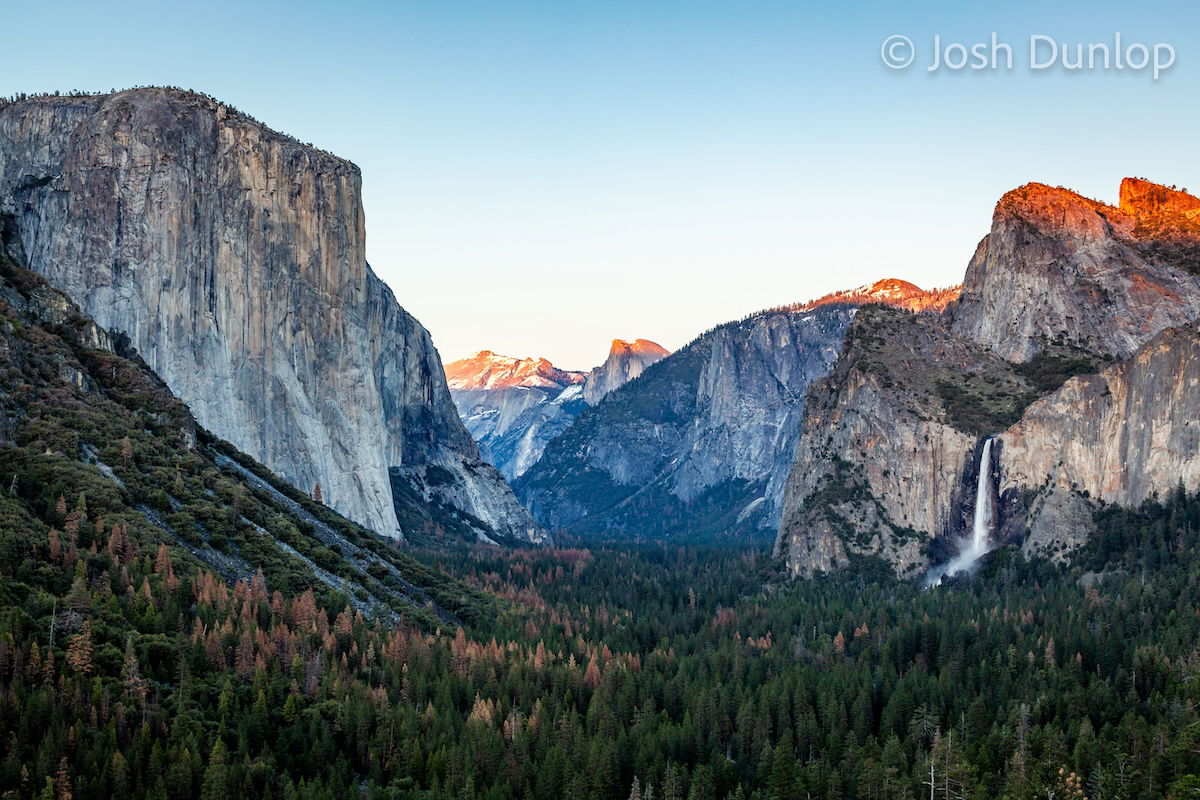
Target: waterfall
{"x":985,"y":504}
{"x":979,"y":542}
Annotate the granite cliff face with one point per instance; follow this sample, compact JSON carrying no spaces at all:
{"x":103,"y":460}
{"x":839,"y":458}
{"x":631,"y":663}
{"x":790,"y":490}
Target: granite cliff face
{"x":702,"y":442}
{"x":1060,"y":267}
{"x":233,"y":258}
{"x":513,"y":406}
{"x":626,"y":360}
{"x":1115,"y":437}
{"x":889,"y":442}
{"x":1062,"y":287}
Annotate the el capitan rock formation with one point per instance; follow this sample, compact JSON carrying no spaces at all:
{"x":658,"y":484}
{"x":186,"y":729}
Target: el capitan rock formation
{"x":233,"y":259}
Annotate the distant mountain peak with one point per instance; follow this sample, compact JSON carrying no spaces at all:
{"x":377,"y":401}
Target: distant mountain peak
{"x":893,"y":292}
{"x":892,"y":285}
{"x":642,"y":346}
{"x":626,"y":360}
{"x":488,"y":370}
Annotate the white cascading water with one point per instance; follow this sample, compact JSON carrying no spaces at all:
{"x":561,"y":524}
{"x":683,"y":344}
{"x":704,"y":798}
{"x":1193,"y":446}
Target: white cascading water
{"x":981,"y":528}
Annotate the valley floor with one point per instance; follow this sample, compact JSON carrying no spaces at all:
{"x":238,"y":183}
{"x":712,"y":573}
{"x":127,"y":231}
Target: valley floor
{"x":615,"y":672}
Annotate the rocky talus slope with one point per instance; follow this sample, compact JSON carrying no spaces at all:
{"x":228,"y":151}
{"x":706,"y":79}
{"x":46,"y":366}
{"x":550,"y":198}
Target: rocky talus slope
{"x":1063,"y":289}
{"x":701,"y":443}
{"x":233,"y":259}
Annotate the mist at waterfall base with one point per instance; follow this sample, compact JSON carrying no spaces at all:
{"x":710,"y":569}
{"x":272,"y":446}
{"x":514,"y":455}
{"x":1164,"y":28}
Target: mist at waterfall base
{"x":979,"y":543}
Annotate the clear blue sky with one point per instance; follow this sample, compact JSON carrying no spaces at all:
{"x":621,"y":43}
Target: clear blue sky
{"x":540,"y":178}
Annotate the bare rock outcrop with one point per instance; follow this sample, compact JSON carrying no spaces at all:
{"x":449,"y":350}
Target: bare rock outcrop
{"x":888,"y":440}
{"x":1059,"y":267}
{"x":1117,"y":437}
{"x":626,"y":360}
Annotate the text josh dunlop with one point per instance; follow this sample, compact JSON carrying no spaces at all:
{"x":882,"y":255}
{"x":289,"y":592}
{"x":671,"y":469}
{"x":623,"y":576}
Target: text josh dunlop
{"x":1041,"y":53}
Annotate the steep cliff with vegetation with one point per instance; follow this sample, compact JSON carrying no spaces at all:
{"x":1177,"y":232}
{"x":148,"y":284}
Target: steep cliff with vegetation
{"x":99,"y":460}
{"x":889,"y":439}
{"x":1063,"y":286}
{"x":1058,"y":266}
